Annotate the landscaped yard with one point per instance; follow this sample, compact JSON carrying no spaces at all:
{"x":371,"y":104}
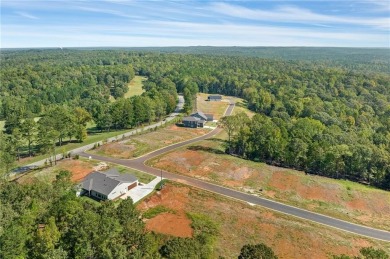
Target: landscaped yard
{"x":135,"y":86}
{"x":79,"y":169}
{"x":338,"y":198}
{"x":240,"y":223}
{"x":217,"y":108}
{"x":145,"y":143}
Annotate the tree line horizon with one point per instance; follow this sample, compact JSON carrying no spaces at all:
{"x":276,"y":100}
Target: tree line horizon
{"x":324,"y":118}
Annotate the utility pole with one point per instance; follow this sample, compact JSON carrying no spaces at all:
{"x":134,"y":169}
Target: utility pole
{"x":161,"y":182}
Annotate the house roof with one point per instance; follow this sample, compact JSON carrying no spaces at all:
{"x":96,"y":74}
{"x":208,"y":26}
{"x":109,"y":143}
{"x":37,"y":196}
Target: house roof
{"x":200,"y":114}
{"x":105,"y":183}
{"x":215,"y":97}
{"x":190,"y":118}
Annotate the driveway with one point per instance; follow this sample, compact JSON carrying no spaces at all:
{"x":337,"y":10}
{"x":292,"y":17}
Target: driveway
{"x":139,"y":164}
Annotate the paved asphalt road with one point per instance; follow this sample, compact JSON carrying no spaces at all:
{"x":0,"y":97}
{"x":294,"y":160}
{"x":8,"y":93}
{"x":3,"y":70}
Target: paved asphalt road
{"x":139,"y":164}
{"x":79,"y":150}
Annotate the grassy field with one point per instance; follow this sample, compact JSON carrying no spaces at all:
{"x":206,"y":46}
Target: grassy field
{"x":215,"y":108}
{"x":240,"y":223}
{"x":91,"y":138}
{"x":135,"y":86}
{"x":145,"y":143}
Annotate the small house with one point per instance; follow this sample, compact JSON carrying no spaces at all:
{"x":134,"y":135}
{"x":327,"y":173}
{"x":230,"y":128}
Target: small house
{"x":193,"y":122}
{"x":199,"y":115}
{"x":108,"y":185}
{"x":214,"y":98}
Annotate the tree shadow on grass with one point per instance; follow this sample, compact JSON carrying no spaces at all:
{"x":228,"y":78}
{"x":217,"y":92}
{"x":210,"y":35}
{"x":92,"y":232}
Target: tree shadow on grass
{"x":216,"y":140}
{"x":206,"y":149}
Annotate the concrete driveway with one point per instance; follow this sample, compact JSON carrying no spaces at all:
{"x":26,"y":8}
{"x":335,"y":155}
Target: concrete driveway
{"x":141,"y":191}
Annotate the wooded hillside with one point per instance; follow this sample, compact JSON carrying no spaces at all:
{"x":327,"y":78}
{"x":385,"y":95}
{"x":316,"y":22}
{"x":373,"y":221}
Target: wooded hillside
{"x":325,"y":117}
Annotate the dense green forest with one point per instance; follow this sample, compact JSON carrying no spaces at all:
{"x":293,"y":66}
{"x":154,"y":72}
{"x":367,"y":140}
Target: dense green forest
{"x":328,"y":116}
{"x":47,"y":220}
{"x":67,"y":91}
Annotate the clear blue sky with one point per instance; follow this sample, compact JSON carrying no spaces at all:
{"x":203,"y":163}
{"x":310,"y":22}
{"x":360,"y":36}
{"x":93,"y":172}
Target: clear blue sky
{"x":132,"y":23}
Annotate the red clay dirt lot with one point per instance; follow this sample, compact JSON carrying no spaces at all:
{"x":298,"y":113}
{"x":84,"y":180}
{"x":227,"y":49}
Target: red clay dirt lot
{"x":145,"y":143}
{"x":78,"y":168}
{"x":341,"y":199}
{"x":240,"y":223}
{"x":174,"y":224}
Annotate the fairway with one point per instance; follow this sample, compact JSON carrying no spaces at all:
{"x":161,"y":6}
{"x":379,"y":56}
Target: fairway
{"x":135,"y":86}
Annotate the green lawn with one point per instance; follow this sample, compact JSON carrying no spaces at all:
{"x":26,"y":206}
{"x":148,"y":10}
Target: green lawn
{"x":142,"y":177}
{"x":135,"y":86}
{"x":92,"y":138}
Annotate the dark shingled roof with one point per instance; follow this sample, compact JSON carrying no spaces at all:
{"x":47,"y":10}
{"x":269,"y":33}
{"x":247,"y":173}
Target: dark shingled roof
{"x":215,"y":97}
{"x":105,"y":183}
{"x":200,"y":114}
{"x":190,"y":118}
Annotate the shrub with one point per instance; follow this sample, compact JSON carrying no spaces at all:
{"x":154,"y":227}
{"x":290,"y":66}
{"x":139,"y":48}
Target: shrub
{"x":259,"y":251}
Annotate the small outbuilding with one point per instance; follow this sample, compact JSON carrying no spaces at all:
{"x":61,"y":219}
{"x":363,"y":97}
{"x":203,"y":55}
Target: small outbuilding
{"x":210,"y":117}
{"x":214,"y":98}
{"x":108,"y":185}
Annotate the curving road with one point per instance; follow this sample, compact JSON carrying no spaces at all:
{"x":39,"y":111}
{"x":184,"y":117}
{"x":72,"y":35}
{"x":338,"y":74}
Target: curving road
{"x":139,"y":164}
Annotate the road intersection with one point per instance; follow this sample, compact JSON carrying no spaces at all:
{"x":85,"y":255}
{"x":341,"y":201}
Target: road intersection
{"x":139,"y":164}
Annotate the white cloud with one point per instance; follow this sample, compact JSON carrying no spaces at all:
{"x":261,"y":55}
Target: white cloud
{"x":157,"y":33}
{"x":26,"y":15}
{"x":108,"y":11}
{"x":297,"y":15}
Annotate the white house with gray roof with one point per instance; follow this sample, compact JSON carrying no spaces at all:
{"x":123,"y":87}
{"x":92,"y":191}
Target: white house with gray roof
{"x":108,"y":185}
{"x":197,"y":119}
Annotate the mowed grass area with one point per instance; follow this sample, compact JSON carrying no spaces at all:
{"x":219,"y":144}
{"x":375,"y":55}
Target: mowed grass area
{"x":91,"y":138}
{"x":135,"y":86}
{"x":240,"y":223}
{"x":342,"y":199}
{"x":241,"y":106}
{"x":217,"y":108}
{"x":142,"y":144}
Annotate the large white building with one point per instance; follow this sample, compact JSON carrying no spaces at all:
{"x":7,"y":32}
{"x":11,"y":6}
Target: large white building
{"x":108,"y":185}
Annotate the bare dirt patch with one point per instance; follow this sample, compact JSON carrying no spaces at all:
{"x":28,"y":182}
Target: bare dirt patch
{"x":240,"y":223}
{"x":78,"y":168}
{"x":170,"y":224}
{"x":173,"y":198}
{"x":341,"y":199}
